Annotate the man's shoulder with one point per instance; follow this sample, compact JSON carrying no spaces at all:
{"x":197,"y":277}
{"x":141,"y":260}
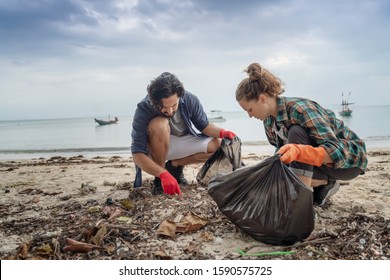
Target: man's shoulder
{"x":189,"y":97}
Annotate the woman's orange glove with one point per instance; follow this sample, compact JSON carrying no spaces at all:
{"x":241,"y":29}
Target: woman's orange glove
{"x":169,"y":183}
{"x":302,"y":153}
{"x":226,"y":134}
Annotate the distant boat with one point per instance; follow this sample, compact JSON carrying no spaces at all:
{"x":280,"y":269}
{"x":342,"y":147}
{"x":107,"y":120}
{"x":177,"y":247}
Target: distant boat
{"x":215,"y":116}
{"x":345,"y":110}
{"x":102,"y":122}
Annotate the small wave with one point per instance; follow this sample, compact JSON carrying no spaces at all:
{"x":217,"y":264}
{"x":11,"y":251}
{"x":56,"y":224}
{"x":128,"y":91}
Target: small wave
{"x":66,"y":150}
{"x":255,"y":143}
{"x":378,"y":138}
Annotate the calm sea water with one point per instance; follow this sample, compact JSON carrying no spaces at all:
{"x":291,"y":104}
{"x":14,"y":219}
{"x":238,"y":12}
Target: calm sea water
{"x":66,"y":137}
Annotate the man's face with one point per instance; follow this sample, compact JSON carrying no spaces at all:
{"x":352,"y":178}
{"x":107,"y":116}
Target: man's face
{"x":169,"y":105}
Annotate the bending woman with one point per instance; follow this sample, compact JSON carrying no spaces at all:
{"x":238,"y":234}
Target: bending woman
{"x":318,"y":147}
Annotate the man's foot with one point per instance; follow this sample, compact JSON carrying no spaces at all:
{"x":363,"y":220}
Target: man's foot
{"x":177,"y":172}
{"x":322,"y":193}
{"x":157,"y":187}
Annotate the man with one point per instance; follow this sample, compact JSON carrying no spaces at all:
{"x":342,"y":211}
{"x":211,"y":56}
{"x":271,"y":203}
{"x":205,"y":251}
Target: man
{"x":164,"y":139}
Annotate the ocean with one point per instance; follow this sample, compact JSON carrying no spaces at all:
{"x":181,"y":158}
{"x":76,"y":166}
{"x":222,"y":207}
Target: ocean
{"x":82,"y":136}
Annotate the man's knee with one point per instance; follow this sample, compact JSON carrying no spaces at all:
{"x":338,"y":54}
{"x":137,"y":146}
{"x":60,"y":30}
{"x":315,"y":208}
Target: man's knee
{"x":213,"y":145}
{"x":159,"y":126}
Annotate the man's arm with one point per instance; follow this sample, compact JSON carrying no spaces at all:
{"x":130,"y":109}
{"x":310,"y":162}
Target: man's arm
{"x":147,"y":164}
{"x":216,"y":132}
{"x":212,"y":130}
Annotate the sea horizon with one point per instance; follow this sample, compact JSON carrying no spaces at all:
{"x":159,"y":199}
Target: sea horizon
{"x":82,"y":136}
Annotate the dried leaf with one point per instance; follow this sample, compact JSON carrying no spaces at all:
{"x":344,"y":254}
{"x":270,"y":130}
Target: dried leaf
{"x":110,"y":248}
{"x":191,"y":247}
{"x":98,"y":238}
{"x":191,"y":222}
{"x":112,"y":212}
{"x":167,"y":228}
{"x":44,"y":250}
{"x":162,"y":255}
{"x":23,"y":250}
{"x":79,"y":247}
{"x":94,"y":209}
{"x":89,"y":233}
{"x":126,"y":203}
{"x":125,"y":219}
{"x":207,"y":236}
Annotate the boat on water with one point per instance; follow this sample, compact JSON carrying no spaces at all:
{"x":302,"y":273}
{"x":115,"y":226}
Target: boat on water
{"x":345,"y":111}
{"x":103,"y":122}
{"x":215,"y":116}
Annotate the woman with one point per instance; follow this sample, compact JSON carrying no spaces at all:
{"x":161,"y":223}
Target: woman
{"x":316,"y":145}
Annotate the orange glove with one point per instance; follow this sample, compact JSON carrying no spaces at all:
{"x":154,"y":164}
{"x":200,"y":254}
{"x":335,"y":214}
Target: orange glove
{"x":302,"y":153}
{"x":169,"y":183}
{"x":226,"y":134}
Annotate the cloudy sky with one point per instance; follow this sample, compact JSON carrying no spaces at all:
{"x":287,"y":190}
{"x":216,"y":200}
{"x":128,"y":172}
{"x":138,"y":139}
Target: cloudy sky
{"x":76,"y":58}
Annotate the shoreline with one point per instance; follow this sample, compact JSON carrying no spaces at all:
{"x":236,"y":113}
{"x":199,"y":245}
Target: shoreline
{"x":250,"y":148}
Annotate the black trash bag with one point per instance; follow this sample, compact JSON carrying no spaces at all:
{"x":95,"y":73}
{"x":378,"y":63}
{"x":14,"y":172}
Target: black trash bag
{"x":226,"y":159}
{"x":267,"y":201}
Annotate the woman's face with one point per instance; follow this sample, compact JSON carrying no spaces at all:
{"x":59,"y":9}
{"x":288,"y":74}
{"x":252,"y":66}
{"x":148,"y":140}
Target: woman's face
{"x":258,"y":109}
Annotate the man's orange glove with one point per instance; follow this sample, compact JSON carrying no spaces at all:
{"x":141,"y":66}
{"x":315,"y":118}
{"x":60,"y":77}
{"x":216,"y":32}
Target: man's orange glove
{"x":302,"y":153}
{"x":226,"y":134}
{"x":169,"y":183}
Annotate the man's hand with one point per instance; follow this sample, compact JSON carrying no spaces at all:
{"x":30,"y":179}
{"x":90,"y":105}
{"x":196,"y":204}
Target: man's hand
{"x":226,"y":134}
{"x":169,"y":183}
{"x":302,"y":153}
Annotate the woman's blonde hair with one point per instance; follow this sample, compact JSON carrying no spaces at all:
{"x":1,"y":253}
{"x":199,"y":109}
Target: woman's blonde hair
{"x":260,"y":81}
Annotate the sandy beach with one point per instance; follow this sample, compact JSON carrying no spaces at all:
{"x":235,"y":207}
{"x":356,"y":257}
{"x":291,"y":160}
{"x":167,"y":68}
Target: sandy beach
{"x":85,"y":208}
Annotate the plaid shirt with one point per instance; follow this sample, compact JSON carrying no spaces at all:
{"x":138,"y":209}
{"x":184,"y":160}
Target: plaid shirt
{"x":341,"y":143}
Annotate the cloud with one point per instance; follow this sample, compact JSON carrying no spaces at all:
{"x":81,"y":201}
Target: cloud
{"x":81,"y":51}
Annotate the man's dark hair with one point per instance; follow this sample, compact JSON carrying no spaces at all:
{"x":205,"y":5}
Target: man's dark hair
{"x":165,"y":85}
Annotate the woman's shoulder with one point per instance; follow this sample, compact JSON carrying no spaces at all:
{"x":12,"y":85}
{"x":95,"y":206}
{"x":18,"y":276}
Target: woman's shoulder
{"x":302,"y":104}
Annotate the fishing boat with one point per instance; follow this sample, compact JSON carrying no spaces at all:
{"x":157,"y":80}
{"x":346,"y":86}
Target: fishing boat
{"x":103,"y":122}
{"x":215,"y":116}
{"x":345,"y":111}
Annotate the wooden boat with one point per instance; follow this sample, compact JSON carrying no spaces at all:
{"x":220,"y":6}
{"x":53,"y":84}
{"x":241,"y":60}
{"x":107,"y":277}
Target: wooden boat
{"x":215,"y":116}
{"x":102,"y":122}
{"x":345,"y":110}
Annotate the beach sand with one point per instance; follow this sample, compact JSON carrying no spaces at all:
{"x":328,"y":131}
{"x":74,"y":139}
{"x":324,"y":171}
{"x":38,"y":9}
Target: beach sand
{"x":46,"y":203}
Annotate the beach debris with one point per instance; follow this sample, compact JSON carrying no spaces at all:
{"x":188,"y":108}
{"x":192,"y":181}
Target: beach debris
{"x":109,"y":184}
{"x":112,"y":211}
{"x":129,"y":230}
{"x":188,"y":223}
{"x":109,"y":201}
{"x":79,"y":247}
{"x":264,"y":253}
{"x":65,"y":197}
{"x":167,"y":228}
{"x":126,"y":203}
{"x":161,"y":254}
{"x":86,"y":188}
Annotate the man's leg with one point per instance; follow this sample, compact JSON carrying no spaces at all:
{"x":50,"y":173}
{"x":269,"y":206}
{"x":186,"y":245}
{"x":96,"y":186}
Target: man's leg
{"x":212,"y":147}
{"x":158,"y":139}
{"x":187,"y":150}
{"x":158,"y":144}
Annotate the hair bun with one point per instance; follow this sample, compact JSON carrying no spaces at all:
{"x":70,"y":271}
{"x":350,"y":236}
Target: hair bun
{"x":255,"y":72}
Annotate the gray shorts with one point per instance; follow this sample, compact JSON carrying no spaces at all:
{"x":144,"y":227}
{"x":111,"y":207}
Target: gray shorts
{"x":187,"y":145}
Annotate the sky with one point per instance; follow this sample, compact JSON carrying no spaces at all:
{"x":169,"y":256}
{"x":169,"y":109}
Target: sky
{"x":78,"y":58}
